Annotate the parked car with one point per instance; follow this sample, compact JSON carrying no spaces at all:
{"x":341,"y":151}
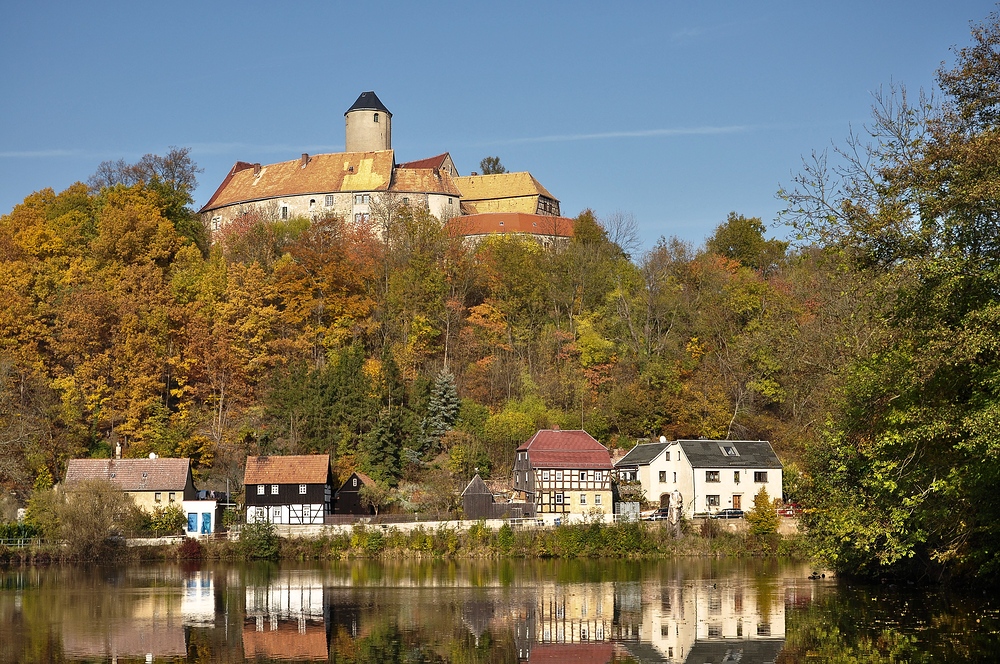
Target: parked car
{"x":728,"y":513}
{"x":661,"y":514}
{"x":789,"y":509}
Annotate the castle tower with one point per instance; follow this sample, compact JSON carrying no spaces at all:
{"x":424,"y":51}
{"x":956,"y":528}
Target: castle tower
{"x":369,"y":125}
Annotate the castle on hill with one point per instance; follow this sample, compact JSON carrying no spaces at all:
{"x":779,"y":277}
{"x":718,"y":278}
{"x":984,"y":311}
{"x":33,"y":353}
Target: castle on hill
{"x":346,"y":184}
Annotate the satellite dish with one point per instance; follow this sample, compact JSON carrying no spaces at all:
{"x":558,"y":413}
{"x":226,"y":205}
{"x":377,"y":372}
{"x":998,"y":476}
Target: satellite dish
{"x":152,"y":455}
{"x":663,"y":439}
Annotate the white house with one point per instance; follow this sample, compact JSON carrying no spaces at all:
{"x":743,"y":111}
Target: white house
{"x":706,"y":475}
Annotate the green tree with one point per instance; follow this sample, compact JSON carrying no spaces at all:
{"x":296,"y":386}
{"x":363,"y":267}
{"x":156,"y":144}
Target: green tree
{"x":491,"y":166}
{"x":742,"y":239}
{"x":901,"y":481}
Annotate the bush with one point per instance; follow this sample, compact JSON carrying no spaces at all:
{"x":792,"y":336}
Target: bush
{"x":259,"y":541}
{"x":190,"y":549}
{"x":169,"y":520}
{"x":505,"y":538}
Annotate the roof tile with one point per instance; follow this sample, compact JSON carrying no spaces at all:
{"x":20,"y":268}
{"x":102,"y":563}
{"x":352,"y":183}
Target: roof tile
{"x":302,"y":469}
{"x":131,"y":474}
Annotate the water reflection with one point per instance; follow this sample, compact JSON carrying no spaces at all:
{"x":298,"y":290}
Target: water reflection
{"x":580,"y":612}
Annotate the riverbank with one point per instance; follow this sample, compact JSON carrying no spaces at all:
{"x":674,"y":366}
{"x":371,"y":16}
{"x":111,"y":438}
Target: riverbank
{"x":585,"y":540}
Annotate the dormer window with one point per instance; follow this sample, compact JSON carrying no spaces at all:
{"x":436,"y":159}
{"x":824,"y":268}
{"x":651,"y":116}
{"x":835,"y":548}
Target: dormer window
{"x":729,"y":450}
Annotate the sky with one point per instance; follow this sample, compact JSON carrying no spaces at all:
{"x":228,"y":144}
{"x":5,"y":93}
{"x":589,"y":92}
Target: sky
{"x":675,"y":113}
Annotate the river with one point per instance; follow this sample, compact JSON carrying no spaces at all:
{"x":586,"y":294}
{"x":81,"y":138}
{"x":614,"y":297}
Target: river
{"x":583,"y":612}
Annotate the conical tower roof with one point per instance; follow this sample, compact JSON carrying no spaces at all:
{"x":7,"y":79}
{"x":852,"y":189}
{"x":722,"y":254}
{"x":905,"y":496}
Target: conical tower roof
{"x":368,"y":101}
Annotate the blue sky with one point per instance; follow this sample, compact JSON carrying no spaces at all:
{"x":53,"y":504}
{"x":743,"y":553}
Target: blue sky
{"x":674,"y":112}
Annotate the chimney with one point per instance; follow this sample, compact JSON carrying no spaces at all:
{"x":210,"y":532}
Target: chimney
{"x":555,"y":427}
{"x":305,"y":159}
{"x":256,"y":169}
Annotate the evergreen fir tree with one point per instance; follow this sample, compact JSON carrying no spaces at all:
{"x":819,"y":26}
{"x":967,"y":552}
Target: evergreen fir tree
{"x":382,"y":447}
{"x":442,"y":410}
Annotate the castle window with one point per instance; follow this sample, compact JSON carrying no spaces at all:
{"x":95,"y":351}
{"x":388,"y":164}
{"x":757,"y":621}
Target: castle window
{"x":329,"y":200}
{"x":376,"y":117}
{"x":449,"y":201}
{"x":284,"y":212}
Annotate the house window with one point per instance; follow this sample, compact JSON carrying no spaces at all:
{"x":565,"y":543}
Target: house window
{"x":736,"y":476}
{"x":360,"y":217}
{"x":663,"y":476}
{"x":449,"y":201}
{"x":729,"y":450}
{"x":597,"y":499}
{"x":712,"y":476}
{"x":667,"y":456}
{"x":406,"y":200}
{"x":583,"y":499}
{"x":312,"y":203}
{"x":712,"y":501}
{"x":284,"y":212}
{"x":302,"y":489}
{"x":376,"y":117}
{"x":559,"y":499}
{"x":329,"y":200}
{"x":355,"y":482}
{"x":583,"y":475}
{"x":760,"y":476}
{"x":260,"y":489}
{"x":675,"y":478}
{"x":274,"y":489}
{"x":172,"y":497}
{"x":545,"y":475}
{"x":158,"y":496}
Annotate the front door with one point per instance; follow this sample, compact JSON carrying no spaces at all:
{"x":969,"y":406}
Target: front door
{"x":664,"y":500}
{"x":737,"y":501}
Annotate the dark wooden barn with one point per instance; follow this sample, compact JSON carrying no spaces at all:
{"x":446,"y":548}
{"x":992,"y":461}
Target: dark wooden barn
{"x":348,"y":498}
{"x":478,"y":503}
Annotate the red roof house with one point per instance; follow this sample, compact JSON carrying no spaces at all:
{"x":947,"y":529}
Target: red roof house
{"x":564,"y":471}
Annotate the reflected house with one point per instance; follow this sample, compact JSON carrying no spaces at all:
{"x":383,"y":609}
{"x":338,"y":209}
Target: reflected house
{"x":146,"y":623}
{"x":198,"y":599}
{"x":286,"y":619}
{"x":703,"y":621}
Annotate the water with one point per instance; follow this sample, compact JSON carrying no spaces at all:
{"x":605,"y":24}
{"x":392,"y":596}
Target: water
{"x":482,"y":612}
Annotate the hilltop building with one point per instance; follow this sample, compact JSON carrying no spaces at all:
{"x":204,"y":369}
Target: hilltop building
{"x":352,"y":185}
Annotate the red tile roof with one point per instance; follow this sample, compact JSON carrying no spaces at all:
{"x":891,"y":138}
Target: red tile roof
{"x":510,"y":222}
{"x":288,"y":641}
{"x":565,"y":449}
{"x":303,"y":469}
{"x":132,"y":474}
{"x":436,"y":161}
{"x":578,"y":653}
